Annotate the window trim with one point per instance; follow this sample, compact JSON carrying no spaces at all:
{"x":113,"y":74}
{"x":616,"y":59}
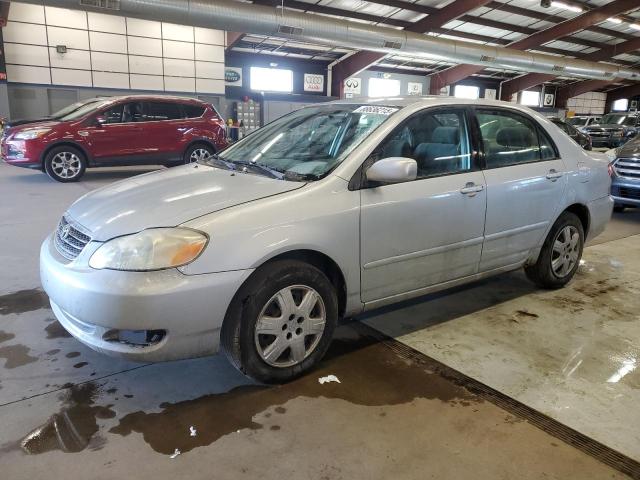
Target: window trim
{"x":540,"y":130}
{"x":358,"y":180}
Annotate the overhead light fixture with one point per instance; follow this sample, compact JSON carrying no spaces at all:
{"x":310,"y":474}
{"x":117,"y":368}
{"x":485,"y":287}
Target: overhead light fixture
{"x":273,"y":64}
{"x":571,"y":8}
{"x":635,"y":26}
{"x":615,"y":20}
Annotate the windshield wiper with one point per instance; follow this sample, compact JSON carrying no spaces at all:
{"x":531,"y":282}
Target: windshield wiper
{"x":263,"y":169}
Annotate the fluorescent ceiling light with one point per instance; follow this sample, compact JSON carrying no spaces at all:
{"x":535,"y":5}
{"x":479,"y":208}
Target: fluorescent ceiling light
{"x":571,"y":8}
{"x":615,"y":20}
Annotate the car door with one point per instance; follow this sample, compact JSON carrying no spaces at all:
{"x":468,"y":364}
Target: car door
{"x":525,"y":182}
{"x":428,"y":231}
{"x":164,"y":128}
{"x":117,"y":136}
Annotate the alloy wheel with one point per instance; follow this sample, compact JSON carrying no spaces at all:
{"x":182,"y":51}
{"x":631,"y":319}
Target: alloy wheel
{"x":566,"y":250}
{"x":199,"y":154}
{"x":66,"y":165}
{"x":290,"y":326}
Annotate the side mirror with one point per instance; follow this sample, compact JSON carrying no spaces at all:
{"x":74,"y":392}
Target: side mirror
{"x":100,"y":119}
{"x":393,"y":170}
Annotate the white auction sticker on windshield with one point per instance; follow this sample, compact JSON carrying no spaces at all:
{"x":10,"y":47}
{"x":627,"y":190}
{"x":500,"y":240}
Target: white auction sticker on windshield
{"x":376,"y":110}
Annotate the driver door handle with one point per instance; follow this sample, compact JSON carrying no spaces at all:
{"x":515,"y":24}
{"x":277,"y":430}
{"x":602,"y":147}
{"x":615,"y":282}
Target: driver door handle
{"x":471,"y":189}
{"x":554,"y":175}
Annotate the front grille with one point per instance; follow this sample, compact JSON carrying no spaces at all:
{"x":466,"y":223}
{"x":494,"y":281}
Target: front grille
{"x":633,"y":193}
{"x":69,"y":239}
{"x":628,"y":167}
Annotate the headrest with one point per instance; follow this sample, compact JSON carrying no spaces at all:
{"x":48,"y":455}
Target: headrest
{"x":446,"y":135}
{"x":515,"y":137}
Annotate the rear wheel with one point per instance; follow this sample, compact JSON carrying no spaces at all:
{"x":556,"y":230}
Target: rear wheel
{"x":65,"y":164}
{"x":281,"y":322}
{"x":560,"y":254}
{"x":198,"y":152}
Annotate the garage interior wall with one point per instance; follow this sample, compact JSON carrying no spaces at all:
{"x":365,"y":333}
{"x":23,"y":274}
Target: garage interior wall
{"x":104,"y":52}
{"x":365,"y":75}
{"x":588,"y":103}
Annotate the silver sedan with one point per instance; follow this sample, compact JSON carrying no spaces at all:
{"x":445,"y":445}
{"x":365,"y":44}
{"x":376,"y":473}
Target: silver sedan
{"x":327,"y":212}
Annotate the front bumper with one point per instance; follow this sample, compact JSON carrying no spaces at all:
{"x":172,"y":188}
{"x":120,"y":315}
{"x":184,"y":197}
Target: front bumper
{"x":89,"y":303}
{"x":625,"y":191}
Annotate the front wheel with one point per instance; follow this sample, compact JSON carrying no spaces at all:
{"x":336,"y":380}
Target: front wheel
{"x":65,"y":164}
{"x":280,"y":323}
{"x":560,"y":254}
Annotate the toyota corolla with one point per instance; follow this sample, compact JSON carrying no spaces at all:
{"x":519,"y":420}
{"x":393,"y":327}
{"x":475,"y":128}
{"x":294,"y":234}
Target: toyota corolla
{"x":327,"y":212}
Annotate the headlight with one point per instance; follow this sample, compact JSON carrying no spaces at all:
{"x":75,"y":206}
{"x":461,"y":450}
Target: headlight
{"x":31,"y":133}
{"x":153,"y":249}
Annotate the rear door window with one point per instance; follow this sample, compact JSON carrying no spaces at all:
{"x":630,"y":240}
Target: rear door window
{"x":192,"y":111}
{"x":158,"y":111}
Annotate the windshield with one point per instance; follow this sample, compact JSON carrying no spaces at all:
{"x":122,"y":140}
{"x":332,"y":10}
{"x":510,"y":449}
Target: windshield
{"x":611,"y":119}
{"x":72,"y":108}
{"x":577,"y":121}
{"x":309,"y":142}
{"x":82,"y":111}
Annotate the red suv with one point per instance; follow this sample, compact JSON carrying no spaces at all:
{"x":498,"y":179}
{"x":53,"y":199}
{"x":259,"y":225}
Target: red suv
{"x":131,"y":130}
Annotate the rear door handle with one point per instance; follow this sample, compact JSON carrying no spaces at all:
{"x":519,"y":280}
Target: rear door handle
{"x":471,"y":189}
{"x":554,"y":175}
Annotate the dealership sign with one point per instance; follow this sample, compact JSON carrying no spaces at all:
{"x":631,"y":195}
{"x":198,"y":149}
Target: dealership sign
{"x":353,"y":86}
{"x":313,"y":82}
{"x":233,"y":76}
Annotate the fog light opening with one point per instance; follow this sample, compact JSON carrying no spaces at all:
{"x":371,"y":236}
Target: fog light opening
{"x":135,"y":338}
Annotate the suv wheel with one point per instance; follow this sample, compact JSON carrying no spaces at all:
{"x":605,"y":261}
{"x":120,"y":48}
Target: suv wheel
{"x":281,"y":322}
{"x":197,"y":153}
{"x":65,"y":164}
{"x":560,"y":255}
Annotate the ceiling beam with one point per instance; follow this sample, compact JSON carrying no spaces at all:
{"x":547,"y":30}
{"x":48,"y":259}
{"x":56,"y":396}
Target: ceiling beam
{"x":452,"y":11}
{"x":233,"y":38}
{"x":567,"y":27}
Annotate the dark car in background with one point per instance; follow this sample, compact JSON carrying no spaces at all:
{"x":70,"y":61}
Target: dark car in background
{"x":614,"y":129}
{"x":117,"y":131}
{"x":580,"y":138}
{"x":625,"y":175}
{"x":54,"y":116}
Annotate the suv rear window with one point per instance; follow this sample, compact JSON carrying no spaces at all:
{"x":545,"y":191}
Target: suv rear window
{"x":193,"y":111}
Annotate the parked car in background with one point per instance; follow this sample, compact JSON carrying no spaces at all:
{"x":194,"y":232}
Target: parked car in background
{"x":325,"y":212}
{"x":582,"y":121}
{"x":116,"y":131}
{"x":625,"y":174}
{"x":580,"y":138}
{"x":614,"y":129}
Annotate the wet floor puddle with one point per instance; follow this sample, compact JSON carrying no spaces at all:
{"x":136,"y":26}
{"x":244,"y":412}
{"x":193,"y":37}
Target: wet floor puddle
{"x":371,"y":374}
{"x":23,"y":301}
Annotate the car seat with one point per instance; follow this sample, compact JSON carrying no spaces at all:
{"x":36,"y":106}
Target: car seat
{"x":435,"y":157}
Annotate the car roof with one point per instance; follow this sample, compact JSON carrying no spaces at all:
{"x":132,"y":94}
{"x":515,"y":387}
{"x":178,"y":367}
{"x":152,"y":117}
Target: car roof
{"x":133,"y":98}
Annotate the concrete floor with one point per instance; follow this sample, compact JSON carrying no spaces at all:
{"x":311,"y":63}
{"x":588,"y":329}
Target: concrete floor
{"x":65,"y":409}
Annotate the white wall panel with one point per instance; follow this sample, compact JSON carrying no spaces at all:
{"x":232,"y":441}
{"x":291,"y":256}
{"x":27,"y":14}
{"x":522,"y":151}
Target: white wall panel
{"x":173,"y":49}
{"x":67,"y":36}
{"x":210,"y":70}
{"x":146,"y":82}
{"x":204,"y":85}
{"x":179,"y":68}
{"x":171,"y":31}
{"x":108,"y":42}
{"x":176,"y":84}
{"x":26,"y":54}
{"x":145,"y":46}
{"x":207,"y":35}
{"x":100,"y":22}
{"x":24,"y":74}
{"x":25,"y":33}
{"x":109,"y":62}
{"x":24,"y":12}
{"x":61,"y":76}
{"x":63,"y":17}
{"x":110,"y":80}
{"x":143,"y":28}
{"x":148,"y":65}
{"x":72,"y":59}
{"x":209,"y":53}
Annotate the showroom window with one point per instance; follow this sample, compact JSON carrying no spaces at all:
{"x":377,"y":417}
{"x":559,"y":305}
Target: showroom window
{"x":466,"y":91}
{"x":621,"y":105}
{"x":510,"y":139}
{"x":271,"y":79}
{"x":436,"y":140}
{"x":384,"y":87}
{"x":530,"y":98}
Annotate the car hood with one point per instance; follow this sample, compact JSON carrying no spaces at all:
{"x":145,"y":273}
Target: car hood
{"x":630,"y":149}
{"x":27,"y":121}
{"x":606,"y":126}
{"x":168,"y":198}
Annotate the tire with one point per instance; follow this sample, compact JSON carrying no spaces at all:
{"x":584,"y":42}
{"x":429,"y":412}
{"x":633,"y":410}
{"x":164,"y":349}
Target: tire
{"x":619,"y":208}
{"x":255,"y":353}
{"x":65,"y":164}
{"x":198,"y":151}
{"x":551,"y":270}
